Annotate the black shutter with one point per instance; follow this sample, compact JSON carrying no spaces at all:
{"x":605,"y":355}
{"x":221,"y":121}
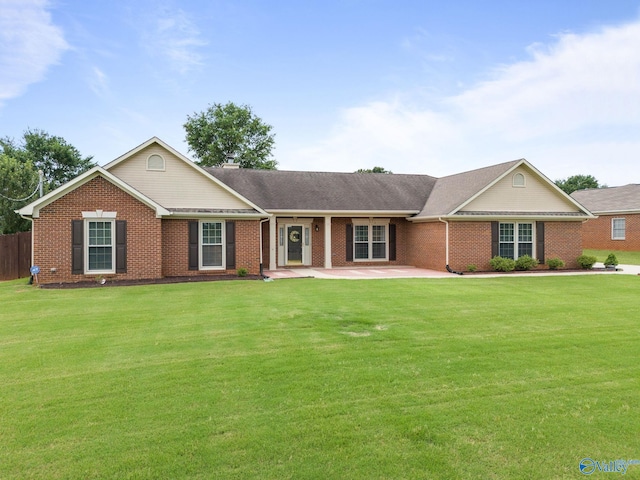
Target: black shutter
{"x":495,"y":239}
{"x":193,"y":246}
{"x":121,"y":246}
{"x":230,"y":244}
{"x":77,"y":250}
{"x":392,"y":241}
{"x":349,"y":242}
{"x":540,"y":241}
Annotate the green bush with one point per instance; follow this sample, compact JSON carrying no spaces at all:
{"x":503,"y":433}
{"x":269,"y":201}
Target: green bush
{"x":472,"y":268}
{"x":611,"y":260}
{"x":586,"y":261}
{"x":501,"y":264}
{"x":554,"y":263}
{"x":242,"y":272}
{"x":526,"y":262}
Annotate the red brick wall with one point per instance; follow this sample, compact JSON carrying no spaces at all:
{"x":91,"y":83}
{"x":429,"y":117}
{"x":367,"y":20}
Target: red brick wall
{"x":317,"y":243}
{"x":175,"y":248}
{"x":425,"y":247}
{"x":339,"y":244}
{"x":563,"y":240}
{"x":469,"y":244}
{"x":52,"y":232}
{"x":596,"y":233}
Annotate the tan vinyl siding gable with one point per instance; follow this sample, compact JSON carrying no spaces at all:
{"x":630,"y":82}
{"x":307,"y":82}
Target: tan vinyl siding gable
{"x":535,"y":196}
{"x":177,"y":186}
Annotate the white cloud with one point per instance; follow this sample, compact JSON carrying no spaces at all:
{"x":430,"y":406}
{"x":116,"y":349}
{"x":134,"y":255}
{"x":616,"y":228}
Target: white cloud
{"x":572,"y":107}
{"x":99,"y":82}
{"x":173,"y":36}
{"x":29,"y":45}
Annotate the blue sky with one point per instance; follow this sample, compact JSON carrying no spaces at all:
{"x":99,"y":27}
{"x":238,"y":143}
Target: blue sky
{"x":413,"y":86}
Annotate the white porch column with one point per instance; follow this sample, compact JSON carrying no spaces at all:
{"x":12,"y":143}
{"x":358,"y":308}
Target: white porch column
{"x":327,"y":242}
{"x":273,"y":243}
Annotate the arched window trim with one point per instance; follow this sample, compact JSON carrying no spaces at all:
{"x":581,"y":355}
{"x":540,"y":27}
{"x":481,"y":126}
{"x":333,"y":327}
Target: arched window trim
{"x":156,"y":168}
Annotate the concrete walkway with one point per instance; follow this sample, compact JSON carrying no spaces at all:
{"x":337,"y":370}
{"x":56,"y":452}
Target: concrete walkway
{"x":363,"y":273}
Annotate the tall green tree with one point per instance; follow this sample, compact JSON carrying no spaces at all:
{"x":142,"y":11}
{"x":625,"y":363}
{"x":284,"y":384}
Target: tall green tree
{"x":19,"y":185}
{"x":578,"y":182}
{"x":230,"y":131}
{"x":59,"y":160}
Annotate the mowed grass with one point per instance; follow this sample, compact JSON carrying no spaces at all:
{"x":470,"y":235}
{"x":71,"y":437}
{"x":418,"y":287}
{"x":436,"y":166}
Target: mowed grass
{"x":625,"y":258}
{"x":458,"y":378}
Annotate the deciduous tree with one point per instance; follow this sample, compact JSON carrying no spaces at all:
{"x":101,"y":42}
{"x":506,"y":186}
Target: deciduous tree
{"x":225,"y":132}
{"x":578,"y":182}
{"x":59,"y":160}
{"x":18,"y":186}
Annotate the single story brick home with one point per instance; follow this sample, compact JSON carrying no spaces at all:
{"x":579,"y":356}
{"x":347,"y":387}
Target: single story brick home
{"x":153,"y":213}
{"x":617,"y":226}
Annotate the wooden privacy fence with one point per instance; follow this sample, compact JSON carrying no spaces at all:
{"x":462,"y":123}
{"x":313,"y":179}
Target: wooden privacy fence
{"x":15,"y":255}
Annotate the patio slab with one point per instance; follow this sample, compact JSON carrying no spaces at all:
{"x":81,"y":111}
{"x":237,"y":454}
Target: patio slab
{"x":413,"y":272}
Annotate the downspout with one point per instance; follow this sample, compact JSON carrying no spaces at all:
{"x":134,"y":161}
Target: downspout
{"x":446,"y":246}
{"x":261,"y":240}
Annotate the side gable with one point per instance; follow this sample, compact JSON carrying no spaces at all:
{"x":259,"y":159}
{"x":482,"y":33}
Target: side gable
{"x":509,"y":189}
{"x":176,"y":182}
{"x":33,"y":209}
{"x":521,"y":190}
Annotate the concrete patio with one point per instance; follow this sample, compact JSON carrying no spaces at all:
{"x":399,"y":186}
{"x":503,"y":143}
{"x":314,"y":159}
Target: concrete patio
{"x":364,"y":273}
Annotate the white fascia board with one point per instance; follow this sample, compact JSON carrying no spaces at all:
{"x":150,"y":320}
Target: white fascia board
{"x":506,"y":216}
{"x":342,"y":213}
{"x":616,"y":212}
{"x":187,"y":161}
{"x":233,"y":216}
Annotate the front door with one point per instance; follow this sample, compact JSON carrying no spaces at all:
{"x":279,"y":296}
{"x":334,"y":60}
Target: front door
{"x":294,"y":244}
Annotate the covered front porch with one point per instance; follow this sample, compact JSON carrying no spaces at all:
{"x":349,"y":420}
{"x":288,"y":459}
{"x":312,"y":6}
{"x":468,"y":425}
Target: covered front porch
{"x":334,"y":241}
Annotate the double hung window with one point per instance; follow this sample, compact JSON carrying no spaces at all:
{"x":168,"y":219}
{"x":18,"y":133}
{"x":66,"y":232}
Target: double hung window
{"x":370,"y":241}
{"x":618,"y":228}
{"x":100,"y":246}
{"x":211,"y":245}
{"x":516,"y":240}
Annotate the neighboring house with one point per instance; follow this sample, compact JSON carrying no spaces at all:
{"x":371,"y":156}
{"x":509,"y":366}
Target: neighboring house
{"x":153,"y":213}
{"x":618,"y":224}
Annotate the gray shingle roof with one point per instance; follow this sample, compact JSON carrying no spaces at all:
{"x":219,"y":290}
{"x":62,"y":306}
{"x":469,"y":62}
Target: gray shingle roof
{"x":452,"y":191}
{"x":611,"y":199}
{"x":324,"y":191}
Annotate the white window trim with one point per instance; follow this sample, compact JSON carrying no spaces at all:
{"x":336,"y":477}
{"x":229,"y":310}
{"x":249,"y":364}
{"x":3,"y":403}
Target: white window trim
{"x":371,"y":222}
{"x":164,"y":163}
{"x":519,"y":175}
{"x":516,"y":239}
{"x":613,"y":230}
{"x":108,"y":218}
{"x":223,"y":243}
{"x":283,"y":225}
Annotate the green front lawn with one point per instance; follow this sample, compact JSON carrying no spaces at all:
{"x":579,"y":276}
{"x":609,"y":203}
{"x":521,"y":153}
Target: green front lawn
{"x":624,"y":258}
{"x":456,"y":378}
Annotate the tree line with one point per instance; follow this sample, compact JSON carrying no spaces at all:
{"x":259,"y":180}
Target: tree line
{"x":217,"y":135}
